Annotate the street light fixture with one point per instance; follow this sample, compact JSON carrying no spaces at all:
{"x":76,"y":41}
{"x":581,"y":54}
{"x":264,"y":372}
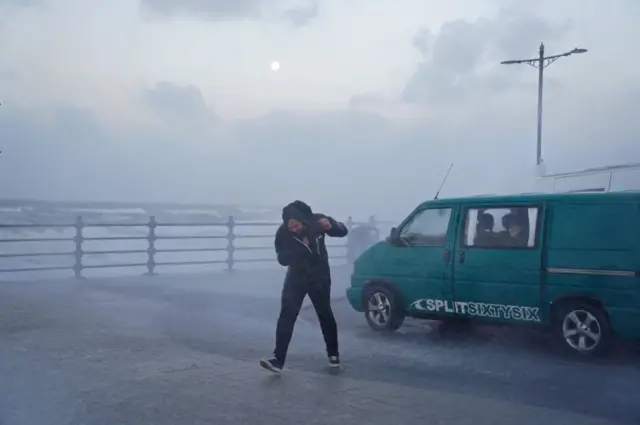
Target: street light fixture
{"x":541,"y":62}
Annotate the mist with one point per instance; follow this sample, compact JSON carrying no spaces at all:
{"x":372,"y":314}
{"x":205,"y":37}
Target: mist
{"x":151,"y":298}
{"x":355,"y":124}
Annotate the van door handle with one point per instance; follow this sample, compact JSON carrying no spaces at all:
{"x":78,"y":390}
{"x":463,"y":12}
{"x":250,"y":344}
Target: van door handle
{"x":461,"y":257}
{"x":446,"y":255}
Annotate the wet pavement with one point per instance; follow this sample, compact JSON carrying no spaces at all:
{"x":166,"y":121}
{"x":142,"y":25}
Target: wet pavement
{"x":184,"y":350}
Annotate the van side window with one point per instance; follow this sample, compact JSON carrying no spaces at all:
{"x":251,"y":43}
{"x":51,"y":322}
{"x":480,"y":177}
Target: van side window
{"x":501,"y":227}
{"x":427,"y":227}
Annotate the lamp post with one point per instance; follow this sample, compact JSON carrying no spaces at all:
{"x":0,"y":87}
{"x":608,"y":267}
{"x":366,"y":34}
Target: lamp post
{"x":541,"y":62}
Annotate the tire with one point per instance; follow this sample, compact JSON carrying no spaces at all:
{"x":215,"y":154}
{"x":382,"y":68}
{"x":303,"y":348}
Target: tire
{"x":582,"y":329}
{"x":390,"y":313}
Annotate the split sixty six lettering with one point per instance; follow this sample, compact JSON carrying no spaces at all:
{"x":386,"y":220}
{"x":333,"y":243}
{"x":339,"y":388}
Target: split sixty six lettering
{"x":510,"y":312}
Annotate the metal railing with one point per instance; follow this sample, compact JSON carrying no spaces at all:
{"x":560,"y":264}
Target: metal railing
{"x":151,"y":251}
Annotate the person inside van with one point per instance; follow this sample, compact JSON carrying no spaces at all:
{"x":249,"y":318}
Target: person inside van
{"x":484,"y":231}
{"x":515,"y":236}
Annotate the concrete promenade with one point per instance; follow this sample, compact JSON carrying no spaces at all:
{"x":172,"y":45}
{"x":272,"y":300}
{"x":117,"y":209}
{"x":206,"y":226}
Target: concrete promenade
{"x":183,"y":350}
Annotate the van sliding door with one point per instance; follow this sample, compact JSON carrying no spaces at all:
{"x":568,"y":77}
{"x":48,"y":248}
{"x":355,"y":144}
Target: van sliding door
{"x":497,"y":263}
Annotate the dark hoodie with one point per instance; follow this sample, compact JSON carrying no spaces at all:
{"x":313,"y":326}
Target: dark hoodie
{"x":305,"y":263}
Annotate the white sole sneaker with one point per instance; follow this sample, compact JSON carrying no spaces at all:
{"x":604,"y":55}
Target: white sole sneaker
{"x":334,"y":365}
{"x":266,"y":364}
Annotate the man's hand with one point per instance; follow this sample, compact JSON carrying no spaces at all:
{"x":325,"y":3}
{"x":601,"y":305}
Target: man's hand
{"x":325,"y":223}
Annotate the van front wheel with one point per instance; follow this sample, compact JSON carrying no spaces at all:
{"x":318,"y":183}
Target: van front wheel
{"x":383,"y":308}
{"x":583,"y":329}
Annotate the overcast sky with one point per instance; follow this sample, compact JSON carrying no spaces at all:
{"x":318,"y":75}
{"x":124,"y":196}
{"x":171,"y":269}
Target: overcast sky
{"x":175,"y":99}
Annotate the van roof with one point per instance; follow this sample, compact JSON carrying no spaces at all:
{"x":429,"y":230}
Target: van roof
{"x":617,"y":196}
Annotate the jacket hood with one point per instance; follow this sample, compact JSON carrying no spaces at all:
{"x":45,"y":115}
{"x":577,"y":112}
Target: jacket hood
{"x":298,"y":210}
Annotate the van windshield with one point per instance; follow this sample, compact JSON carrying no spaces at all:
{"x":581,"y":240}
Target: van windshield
{"x":427,"y":227}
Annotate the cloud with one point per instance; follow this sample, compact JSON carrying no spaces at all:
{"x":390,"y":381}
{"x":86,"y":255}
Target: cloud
{"x":43,"y":158}
{"x":334,"y":159}
{"x":215,"y":10}
{"x":19,"y":3}
{"x":303,"y":15}
{"x":352,"y":161}
{"x":231,"y":10}
{"x":180,"y":111}
{"x":516,"y":32}
{"x":144,"y":121}
{"x":65,"y":153}
{"x":364,"y":100}
{"x":182,"y":101}
{"x":423,"y":41}
{"x":460,"y":60}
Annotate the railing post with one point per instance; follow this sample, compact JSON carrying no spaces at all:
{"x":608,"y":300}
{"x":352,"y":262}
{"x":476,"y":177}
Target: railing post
{"x":230,"y":246}
{"x":151,"y":249}
{"x":78,"y":253}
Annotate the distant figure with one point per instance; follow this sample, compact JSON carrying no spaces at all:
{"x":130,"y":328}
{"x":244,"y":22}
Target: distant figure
{"x":300,"y":246}
{"x":361,"y":238}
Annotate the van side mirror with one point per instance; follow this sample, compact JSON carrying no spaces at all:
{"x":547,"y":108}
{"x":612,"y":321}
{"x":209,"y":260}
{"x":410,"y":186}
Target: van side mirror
{"x":394,"y":236}
{"x":395,"y":239}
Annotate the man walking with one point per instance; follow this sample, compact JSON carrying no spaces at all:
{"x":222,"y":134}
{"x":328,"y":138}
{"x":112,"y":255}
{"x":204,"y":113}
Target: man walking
{"x":300,"y":246}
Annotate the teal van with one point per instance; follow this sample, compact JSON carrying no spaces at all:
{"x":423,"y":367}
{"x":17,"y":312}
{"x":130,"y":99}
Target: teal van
{"x":569,"y":262}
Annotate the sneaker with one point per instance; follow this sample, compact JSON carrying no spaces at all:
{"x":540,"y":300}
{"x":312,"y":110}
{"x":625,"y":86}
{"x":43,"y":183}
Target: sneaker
{"x":272,"y":365}
{"x":334,"y":361}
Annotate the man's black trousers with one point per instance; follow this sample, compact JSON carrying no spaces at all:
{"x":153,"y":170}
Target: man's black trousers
{"x":293,"y":293}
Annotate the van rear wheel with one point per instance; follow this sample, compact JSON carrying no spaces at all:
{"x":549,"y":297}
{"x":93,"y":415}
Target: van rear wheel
{"x":583,"y":329}
{"x":383,"y":308}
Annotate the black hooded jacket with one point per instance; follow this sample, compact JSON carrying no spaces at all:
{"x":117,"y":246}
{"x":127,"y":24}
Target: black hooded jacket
{"x":310,"y":263}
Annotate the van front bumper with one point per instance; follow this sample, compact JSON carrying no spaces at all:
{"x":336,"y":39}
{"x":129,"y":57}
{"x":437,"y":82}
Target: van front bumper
{"x":354,"y":295}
